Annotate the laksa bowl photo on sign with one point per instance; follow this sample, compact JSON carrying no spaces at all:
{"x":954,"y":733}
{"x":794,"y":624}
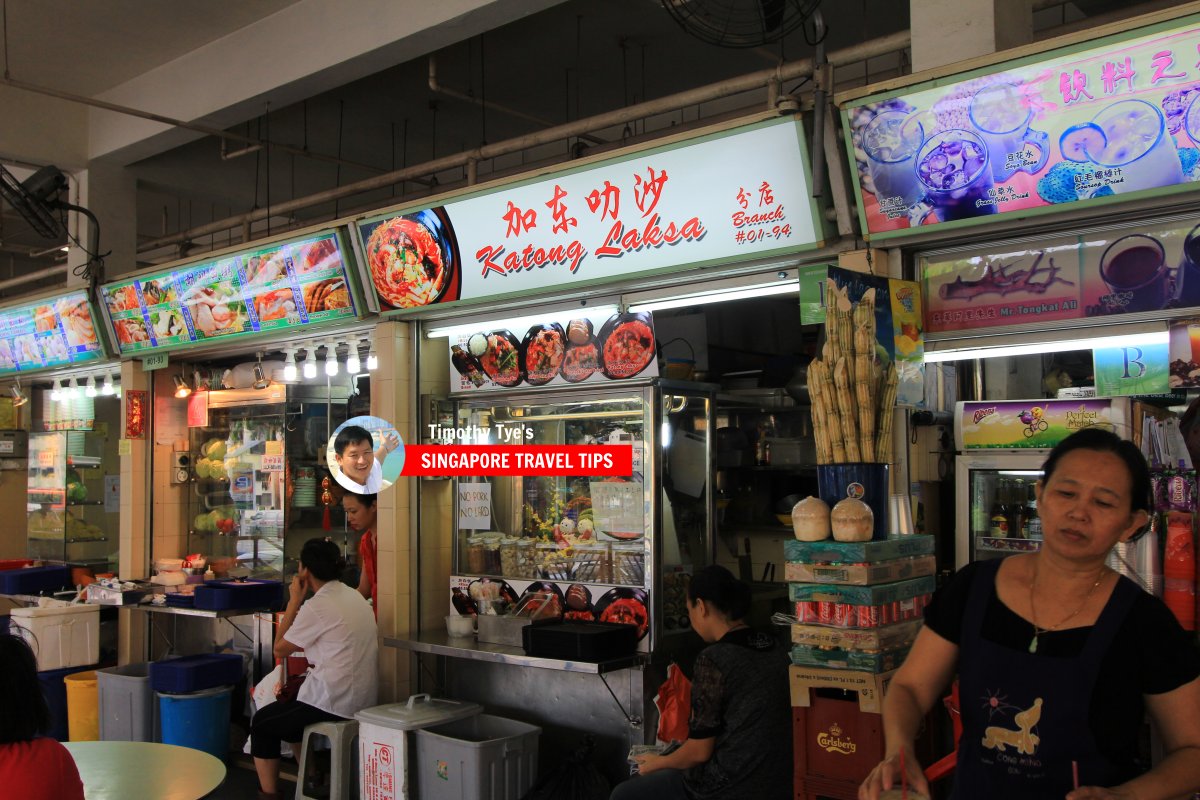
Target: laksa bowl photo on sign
{"x":365,"y":454}
{"x":413,"y":259}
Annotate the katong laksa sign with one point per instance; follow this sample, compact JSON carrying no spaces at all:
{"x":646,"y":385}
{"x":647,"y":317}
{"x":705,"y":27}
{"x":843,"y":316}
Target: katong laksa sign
{"x":1093,"y":123}
{"x":721,"y":198}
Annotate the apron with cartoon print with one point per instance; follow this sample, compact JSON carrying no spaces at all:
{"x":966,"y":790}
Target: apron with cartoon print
{"x":1025,"y":716}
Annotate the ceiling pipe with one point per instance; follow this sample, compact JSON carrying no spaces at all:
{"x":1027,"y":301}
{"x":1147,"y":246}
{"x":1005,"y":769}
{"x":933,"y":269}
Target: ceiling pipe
{"x":30,"y":277}
{"x":691,"y":97}
{"x":198,"y":127}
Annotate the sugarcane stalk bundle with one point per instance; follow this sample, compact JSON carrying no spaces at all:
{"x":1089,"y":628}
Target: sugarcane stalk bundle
{"x":852,"y":398}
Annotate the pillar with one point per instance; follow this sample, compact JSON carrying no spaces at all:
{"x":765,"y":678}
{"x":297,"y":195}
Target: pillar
{"x":110,"y":192}
{"x":392,"y":389}
{"x":133,"y":557}
{"x":946,"y":31}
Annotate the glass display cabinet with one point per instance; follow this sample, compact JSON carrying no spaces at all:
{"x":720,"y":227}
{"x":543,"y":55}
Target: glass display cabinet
{"x":255,"y":489}
{"x":69,"y":518}
{"x":611,"y":549}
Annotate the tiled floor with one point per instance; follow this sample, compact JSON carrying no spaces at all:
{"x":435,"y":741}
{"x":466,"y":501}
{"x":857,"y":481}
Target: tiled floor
{"x":241,"y":781}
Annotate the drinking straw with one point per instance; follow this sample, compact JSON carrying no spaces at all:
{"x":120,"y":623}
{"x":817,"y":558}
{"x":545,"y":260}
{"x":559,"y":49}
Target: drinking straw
{"x":904,"y":779}
{"x":1075,"y":773}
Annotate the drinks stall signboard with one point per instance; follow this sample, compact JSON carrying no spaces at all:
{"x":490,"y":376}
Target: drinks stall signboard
{"x":56,"y":331}
{"x":720,"y":198}
{"x":1022,"y":424}
{"x":1097,"y":123}
{"x":1125,"y":270}
{"x":298,"y":282}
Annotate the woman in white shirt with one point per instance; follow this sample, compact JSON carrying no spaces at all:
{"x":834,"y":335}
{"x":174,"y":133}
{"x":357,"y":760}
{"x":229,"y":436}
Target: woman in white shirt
{"x":336,"y":630}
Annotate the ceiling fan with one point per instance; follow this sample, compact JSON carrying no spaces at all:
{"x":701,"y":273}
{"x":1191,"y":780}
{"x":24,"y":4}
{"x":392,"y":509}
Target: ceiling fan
{"x":740,"y":23}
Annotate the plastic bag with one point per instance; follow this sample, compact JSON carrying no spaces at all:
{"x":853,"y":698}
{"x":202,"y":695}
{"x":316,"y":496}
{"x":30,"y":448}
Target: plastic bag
{"x":575,"y":779}
{"x":674,"y":702}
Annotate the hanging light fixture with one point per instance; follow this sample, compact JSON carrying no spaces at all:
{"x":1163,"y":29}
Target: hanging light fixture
{"x":353,"y":364}
{"x":372,"y":359}
{"x":331,"y":360}
{"x":19,"y":398}
{"x":71,"y":392}
{"x":310,"y":363}
{"x":56,"y":392}
{"x":182,"y":389}
{"x":90,"y":391}
{"x":261,"y":381}
{"x":107,"y":388}
{"x":289,"y":364}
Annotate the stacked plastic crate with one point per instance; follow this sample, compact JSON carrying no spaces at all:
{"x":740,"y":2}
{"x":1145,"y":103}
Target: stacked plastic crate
{"x":858,"y":607}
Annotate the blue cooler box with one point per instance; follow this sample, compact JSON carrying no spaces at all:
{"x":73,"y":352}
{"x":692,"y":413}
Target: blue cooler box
{"x":195,"y":673}
{"x":224,"y":595}
{"x":34,"y":580}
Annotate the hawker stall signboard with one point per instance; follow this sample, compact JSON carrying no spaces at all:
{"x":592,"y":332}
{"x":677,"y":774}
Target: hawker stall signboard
{"x":53,"y":332}
{"x":288,"y":284}
{"x":1113,"y":119}
{"x":576,"y":348}
{"x":1011,"y":424}
{"x":1127,"y":269}
{"x":720,"y":198}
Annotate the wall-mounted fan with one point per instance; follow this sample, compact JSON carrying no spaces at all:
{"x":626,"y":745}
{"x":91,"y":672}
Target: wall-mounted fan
{"x":740,"y":23}
{"x":38,"y":197}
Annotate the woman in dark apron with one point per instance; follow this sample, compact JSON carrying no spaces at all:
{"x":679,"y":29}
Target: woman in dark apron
{"x":1058,"y":658}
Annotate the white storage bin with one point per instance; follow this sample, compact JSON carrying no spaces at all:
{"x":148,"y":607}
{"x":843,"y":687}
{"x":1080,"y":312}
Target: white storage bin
{"x":64,"y":636}
{"x":383,"y":743}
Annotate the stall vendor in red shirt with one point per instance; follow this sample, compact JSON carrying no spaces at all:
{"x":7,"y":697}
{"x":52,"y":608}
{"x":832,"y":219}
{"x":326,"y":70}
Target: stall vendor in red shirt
{"x":360,"y":516}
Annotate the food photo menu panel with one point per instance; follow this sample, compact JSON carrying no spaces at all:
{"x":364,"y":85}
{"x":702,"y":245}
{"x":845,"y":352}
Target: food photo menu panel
{"x":285,"y":284}
{"x":52,"y":332}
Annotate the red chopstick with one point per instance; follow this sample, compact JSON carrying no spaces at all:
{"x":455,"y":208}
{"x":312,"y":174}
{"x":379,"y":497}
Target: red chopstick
{"x":1075,"y":773}
{"x":904,"y":778}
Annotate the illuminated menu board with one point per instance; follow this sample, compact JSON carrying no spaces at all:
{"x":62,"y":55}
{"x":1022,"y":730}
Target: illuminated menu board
{"x":53,"y":332}
{"x":283,"y":285}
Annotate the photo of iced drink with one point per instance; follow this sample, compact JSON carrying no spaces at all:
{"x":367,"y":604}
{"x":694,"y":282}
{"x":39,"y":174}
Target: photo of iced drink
{"x":953,"y":167}
{"x":1002,"y":115}
{"x":1135,"y":272}
{"x":1130,"y":137}
{"x":890,"y":141}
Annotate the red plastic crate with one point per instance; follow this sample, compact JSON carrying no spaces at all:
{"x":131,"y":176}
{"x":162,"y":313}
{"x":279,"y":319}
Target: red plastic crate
{"x":835,"y":740}
{"x":15,"y":563}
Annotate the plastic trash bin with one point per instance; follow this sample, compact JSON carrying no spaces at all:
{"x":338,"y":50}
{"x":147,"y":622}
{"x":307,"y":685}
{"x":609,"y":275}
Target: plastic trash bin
{"x":83,"y":719}
{"x":383,"y":744}
{"x":199,"y":720}
{"x":481,"y":756}
{"x":55,"y":692}
{"x":127,"y":709}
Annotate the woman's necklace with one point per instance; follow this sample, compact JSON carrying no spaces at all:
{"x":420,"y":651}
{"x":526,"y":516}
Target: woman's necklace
{"x":1037,"y":630}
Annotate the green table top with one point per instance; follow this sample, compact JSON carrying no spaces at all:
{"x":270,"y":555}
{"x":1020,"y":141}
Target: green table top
{"x":125,"y":770}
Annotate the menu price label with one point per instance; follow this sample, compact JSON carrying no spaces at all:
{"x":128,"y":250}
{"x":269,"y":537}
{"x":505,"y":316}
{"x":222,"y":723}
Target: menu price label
{"x":1112,"y":118}
{"x":286,"y":284}
{"x":53,"y":332}
{"x":272,"y":463}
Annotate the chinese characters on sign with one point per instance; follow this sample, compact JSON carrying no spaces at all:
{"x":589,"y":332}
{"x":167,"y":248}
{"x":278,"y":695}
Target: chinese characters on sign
{"x":729,"y":196}
{"x":1117,"y":117}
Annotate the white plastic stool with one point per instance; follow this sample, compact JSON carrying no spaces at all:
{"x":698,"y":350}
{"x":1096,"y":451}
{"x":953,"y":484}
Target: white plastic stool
{"x":343,"y":753}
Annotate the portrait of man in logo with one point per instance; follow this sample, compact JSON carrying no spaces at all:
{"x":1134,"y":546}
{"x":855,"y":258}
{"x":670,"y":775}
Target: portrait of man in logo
{"x":365,"y":454}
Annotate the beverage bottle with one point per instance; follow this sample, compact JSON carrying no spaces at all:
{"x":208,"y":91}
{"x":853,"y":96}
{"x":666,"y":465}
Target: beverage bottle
{"x":1016,"y":509}
{"x":1179,"y":569}
{"x":1031,"y":521}
{"x":979,"y":507}
{"x":998,"y":519}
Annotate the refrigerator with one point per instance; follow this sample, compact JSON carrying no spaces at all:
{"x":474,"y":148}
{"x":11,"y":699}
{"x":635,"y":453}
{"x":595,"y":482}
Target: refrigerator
{"x":1001,"y":446}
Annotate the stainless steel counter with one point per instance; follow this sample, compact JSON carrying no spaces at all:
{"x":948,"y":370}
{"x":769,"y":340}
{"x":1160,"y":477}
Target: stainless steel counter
{"x":196,"y":612}
{"x":468,"y":647}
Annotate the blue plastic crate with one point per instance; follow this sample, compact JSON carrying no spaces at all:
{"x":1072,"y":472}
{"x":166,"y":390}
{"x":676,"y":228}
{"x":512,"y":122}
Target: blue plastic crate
{"x":223,"y":595}
{"x":34,"y":580}
{"x":195,"y":673}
